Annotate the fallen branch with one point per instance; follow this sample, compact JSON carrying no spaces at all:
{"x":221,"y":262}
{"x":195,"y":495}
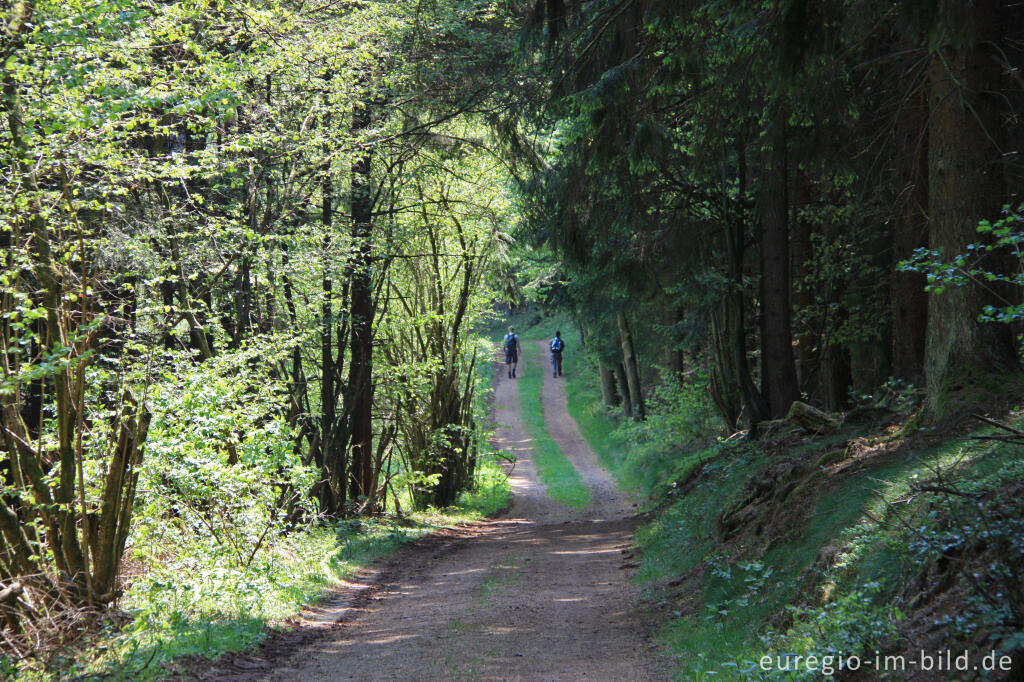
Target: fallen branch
{"x":945,"y":490}
{"x":11,"y":592}
{"x":999,"y":437}
{"x":999,"y":425}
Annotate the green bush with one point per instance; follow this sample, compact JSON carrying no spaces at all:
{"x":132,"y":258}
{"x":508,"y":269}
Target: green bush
{"x":220,"y":475}
{"x":681,"y":421}
{"x":856,"y":622}
{"x":213,"y":548}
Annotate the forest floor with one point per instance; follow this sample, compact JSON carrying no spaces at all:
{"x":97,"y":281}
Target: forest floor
{"x":542,"y":592}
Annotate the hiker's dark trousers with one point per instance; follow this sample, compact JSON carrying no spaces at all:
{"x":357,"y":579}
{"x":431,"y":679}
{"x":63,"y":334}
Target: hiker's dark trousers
{"x":556,"y":364}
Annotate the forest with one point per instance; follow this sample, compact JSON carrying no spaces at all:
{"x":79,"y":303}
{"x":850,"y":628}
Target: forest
{"x":258,"y":258}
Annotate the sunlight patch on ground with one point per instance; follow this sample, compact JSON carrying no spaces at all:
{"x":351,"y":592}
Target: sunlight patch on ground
{"x":584,"y":552}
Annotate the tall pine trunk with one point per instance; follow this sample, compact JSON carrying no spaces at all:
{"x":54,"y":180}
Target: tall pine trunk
{"x":910,"y":231}
{"x":609,"y":391}
{"x":808,"y":333}
{"x":778,"y":369}
{"x":732,"y":365}
{"x":753,"y":400}
{"x":964,"y":358}
{"x":723,"y":382}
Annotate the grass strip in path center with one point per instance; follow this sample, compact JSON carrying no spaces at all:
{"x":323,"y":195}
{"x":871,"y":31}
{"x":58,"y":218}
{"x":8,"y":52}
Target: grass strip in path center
{"x":560,"y":478}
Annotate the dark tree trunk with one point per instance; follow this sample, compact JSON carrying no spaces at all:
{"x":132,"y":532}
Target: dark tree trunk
{"x":360,"y":379}
{"x":963,"y":357}
{"x":609,"y":391}
{"x":909,"y":299}
{"x":778,"y":370}
{"x":243,"y":287}
{"x":673,"y":355}
{"x":329,"y":456}
{"x":870,"y":353}
{"x":627,"y":403}
{"x":723,"y":383}
{"x":243,"y":301}
{"x":167,"y":298}
{"x":731,"y":371}
{"x":836,"y":377}
{"x":805,"y":290}
{"x":753,"y":401}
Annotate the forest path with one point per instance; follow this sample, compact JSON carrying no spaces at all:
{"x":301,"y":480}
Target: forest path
{"x":541,"y":593}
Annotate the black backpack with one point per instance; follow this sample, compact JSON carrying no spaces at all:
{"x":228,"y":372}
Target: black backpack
{"x":510,"y":342}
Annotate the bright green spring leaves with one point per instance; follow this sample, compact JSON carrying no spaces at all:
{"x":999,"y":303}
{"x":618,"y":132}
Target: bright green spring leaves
{"x":220,"y":462}
{"x":975,"y":266}
{"x":179,"y":157}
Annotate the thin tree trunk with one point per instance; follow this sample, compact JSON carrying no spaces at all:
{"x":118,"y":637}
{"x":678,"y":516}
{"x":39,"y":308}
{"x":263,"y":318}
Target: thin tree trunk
{"x":243,"y":300}
{"x":735,"y":245}
{"x":61,"y":503}
{"x":808,"y":356}
{"x":167,"y":297}
{"x":627,"y":402}
{"x":909,"y":299}
{"x":673,"y":359}
{"x":636,"y":396}
{"x":723,"y":385}
{"x":332,"y":483}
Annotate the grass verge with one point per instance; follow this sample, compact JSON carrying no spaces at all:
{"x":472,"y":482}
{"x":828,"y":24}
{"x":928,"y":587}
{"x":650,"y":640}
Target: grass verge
{"x":193,"y":604}
{"x":560,"y":478}
{"x":842,"y":545}
{"x":197,"y":605}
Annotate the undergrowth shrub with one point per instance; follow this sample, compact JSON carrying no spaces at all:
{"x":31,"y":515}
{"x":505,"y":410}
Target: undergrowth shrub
{"x":681,"y":421}
{"x":976,"y":527}
{"x":221,"y":475}
{"x":857,"y":621}
{"x":220,"y":493}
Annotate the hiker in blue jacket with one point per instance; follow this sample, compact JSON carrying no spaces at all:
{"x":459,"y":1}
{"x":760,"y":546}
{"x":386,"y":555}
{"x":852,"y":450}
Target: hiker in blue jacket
{"x":511,"y":352}
{"x":557,"y":346}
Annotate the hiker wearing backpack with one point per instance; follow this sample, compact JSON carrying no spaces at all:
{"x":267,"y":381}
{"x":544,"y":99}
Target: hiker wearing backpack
{"x":511,"y":352}
{"x":557,"y":346}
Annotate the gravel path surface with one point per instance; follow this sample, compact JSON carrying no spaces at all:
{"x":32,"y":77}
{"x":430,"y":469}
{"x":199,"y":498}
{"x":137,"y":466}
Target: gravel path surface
{"x":540,"y":593}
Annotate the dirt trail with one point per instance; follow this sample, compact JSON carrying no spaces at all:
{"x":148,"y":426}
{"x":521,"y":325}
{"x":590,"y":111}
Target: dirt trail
{"x":541,"y":593}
